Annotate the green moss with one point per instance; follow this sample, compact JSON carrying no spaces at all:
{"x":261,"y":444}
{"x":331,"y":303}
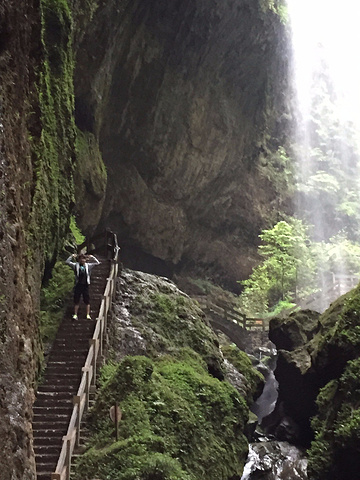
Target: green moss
{"x":337,"y":425}
{"x":169,"y":321}
{"x":242,"y":363}
{"x":53,"y":299}
{"x":276,"y":6}
{"x":76,"y":232}
{"x":90,"y":178}
{"x":53,"y":148}
{"x":178,"y":422}
{"x":90,"y":163}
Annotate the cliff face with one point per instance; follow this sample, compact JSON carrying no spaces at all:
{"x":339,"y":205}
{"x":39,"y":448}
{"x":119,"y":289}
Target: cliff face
{"x":17,"y":333}
{"x":36,"y":156}
{"x":183,"y":97}
{"x":319,"y":389}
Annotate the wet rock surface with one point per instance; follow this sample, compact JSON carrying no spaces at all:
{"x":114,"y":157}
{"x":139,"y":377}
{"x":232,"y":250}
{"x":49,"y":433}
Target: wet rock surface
{"x":179,"y":95}
{"x":19,"y":347}
{"x":295,"y":330}
{"x":318,"y":387}
{"x":273,"y":460}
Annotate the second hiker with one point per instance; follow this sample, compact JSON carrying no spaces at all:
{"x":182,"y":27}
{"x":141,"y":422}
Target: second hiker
{"x":82,"y":265}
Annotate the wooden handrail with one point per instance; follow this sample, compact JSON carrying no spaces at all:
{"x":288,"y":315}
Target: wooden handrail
{"x":232,"y":314}
{"x":88,"y":378}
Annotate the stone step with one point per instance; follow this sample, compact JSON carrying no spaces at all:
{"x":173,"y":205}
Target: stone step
{"x":63,"y":364}
{"x":66,"y":383}
{"x":50,"y":409}
{"x":47,"y":440}
{"x":44,"y":475}
{"x":59,"y":388}
{"x":60,"y":376}
{"x":66,"y":360}
{"x":47,"y":458}
{"x":45,"y":469}
{"x":55,"y":431}
{"x":48,"y":449}
{"x":54,"y":419}
{"x":58,"y":368}
{"x":53,"y":402}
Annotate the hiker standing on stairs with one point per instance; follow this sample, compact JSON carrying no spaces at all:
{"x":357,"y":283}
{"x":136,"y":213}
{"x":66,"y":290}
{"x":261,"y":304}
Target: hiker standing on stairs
{"x":82,"y":268}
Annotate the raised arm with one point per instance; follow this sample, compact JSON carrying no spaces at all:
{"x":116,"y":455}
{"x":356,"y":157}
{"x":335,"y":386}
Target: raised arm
{"x":70,"y":261}
{"x":93,"y":261}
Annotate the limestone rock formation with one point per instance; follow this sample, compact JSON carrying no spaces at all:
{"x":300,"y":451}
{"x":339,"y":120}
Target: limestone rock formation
{"x":185,"y":98}
{"x":298,"y":381}
{"x":319,"y":386}
{"x":36,"y":157}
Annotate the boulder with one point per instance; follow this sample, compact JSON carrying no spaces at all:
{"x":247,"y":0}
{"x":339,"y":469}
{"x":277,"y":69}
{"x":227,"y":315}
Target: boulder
{"x":295,"y":330}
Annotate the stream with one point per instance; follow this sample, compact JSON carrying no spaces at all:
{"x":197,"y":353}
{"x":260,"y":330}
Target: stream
{"x":268,"y":458}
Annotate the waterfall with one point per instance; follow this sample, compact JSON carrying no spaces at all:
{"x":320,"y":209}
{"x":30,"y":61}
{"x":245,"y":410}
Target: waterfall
{"x":269,"y":459}
{"x":326,"y":143}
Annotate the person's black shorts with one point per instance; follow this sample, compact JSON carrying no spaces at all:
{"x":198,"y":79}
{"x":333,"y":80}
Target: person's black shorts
{"x":81,"y":290}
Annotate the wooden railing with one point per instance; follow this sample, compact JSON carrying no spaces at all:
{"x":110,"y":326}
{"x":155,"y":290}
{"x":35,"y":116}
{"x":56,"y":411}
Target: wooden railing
{"x":88,"y":379}
{"x":229,"y":313}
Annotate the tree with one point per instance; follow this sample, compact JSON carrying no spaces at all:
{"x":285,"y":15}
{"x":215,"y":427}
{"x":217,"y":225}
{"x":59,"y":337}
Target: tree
{"x":286,"y":271}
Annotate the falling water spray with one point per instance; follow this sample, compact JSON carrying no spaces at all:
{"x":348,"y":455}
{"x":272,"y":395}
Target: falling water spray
{"x":326,"y":80}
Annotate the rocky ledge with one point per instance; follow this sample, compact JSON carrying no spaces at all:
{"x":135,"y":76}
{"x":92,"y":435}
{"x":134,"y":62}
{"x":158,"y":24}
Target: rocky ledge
{"x":319,"y":386}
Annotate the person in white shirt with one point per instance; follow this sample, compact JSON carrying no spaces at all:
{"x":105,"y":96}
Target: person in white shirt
{"x":82,"y":265}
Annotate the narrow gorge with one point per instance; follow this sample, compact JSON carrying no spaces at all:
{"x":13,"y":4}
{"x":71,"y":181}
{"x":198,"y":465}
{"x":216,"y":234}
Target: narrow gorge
{"x":179,"y":127}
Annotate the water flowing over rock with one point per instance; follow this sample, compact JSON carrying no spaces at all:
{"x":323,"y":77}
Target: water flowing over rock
{"x":265,"y":404}
{"x":298,"y":385}
{"x":272,"y":460}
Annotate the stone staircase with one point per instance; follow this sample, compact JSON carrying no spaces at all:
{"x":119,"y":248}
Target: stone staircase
{"x":54,"y":400}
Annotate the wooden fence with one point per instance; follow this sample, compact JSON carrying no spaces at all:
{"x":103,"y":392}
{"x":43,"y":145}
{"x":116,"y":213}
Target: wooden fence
{"x":88,"y":379}
{"x":228,"y":312}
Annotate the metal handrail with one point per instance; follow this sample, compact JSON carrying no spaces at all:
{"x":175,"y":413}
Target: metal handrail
{"x":88,"y":378}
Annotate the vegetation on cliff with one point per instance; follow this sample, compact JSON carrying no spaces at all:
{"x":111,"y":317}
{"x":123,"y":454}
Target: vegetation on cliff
{"x":178,"y":423}
{"x":318,"y":372}
{"x":54,"y":142}
{"x":90,"y":179}
{"x":334,"y":451}
{"x":180,"y":418}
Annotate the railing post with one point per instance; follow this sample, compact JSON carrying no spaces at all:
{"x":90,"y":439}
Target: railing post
{"x":77,"y":401}
{"x":87,"y":388}
{"x":68,"y":457}
{"x":111,"y":286}
{"x":105,"y":311}
{"x":93,"y":343}
{"x":101,"y":320}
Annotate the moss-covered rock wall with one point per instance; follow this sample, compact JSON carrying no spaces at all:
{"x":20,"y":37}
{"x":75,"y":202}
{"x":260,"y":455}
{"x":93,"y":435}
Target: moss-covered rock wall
{"x":90,"y":181}
{"x":37,"y":157}
{"x":318,"y":373}
{"x":181,"y":419}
